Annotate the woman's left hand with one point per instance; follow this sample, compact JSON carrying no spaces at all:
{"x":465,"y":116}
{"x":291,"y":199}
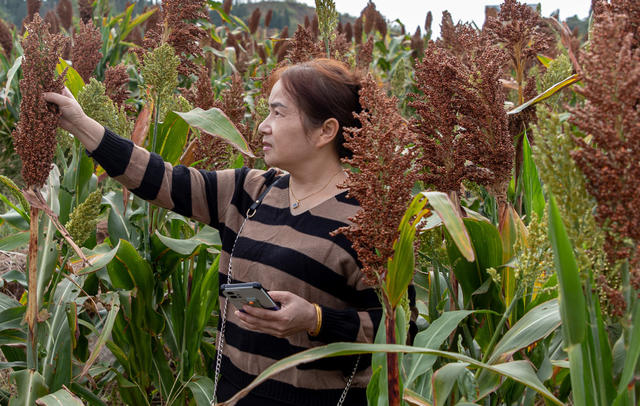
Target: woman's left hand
{"x":295,"y":314}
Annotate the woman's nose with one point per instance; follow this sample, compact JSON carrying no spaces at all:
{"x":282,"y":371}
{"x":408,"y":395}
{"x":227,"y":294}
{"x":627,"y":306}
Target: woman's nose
{"x":264,"y":127}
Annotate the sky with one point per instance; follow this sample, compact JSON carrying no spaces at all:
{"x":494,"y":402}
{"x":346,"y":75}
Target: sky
{"x":412,"y":13}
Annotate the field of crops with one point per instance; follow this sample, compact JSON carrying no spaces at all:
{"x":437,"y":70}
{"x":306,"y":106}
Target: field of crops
{"x":497,"y":168}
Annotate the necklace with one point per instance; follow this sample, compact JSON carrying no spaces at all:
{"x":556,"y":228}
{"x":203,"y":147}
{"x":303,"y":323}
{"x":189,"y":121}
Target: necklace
{"x":298,"y":203}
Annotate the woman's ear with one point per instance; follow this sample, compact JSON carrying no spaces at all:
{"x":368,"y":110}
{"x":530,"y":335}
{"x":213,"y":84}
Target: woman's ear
{"x":328,"y":132}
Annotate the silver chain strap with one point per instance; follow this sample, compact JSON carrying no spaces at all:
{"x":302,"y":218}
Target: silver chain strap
{"x":223,"y":324}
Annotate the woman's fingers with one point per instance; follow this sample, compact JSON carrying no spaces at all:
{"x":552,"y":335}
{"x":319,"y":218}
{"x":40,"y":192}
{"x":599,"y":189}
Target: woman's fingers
{"x":55,"y":98}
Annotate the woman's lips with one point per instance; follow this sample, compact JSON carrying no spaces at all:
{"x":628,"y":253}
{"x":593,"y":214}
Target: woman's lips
{"x":266,"y":146}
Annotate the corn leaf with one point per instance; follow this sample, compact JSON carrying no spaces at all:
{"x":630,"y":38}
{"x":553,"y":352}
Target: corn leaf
{"x":215,"y":122}
{"x":202,"y":390}
{"x":400,"y":267}
{"x":547,"y":93}
{"x":520,"y":371}
{"x":62,"y":397}
{"x":444,"y":379}
{"x":30,"y":385}
{"x":571,"y":297}
{"x":73,"y":81}
{"x":432,"y":338}
{"x":533,"y":196}
{"x":442,"y":205}
{"x":171,"y":138}
{"x":10,"y":75}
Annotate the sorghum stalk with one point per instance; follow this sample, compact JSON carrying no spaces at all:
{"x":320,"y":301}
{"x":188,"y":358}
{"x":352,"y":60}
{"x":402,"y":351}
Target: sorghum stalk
{"x":32,"y":295}
{"x":392,"y":357}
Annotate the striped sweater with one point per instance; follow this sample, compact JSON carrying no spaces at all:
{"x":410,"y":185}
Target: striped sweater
{"x":280,"y":250}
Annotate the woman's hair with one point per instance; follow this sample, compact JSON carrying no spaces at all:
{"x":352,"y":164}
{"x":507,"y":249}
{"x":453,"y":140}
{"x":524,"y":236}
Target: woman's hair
{"x":324,"y":89}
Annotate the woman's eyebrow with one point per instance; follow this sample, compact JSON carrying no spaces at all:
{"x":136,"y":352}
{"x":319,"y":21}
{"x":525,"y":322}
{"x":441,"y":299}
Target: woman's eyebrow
{"x":277,"y":104}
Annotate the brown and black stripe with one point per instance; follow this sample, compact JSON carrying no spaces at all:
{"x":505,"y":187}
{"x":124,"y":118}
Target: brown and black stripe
{"x":280,"y":250}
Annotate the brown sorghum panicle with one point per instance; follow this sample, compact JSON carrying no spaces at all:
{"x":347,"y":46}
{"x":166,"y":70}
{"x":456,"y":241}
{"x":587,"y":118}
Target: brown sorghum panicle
{"x":254,"y":20}
{"x":383,"y":180}
{"x":364,"y":56}
{"x":610,"y":114}
{"x":35,"y":135}
{"x":370,"y":16}
{"x":52,"y":19}
{"x":417,"y":44}
{"x":6,"y":39}
{"x":268,"y":17}
{"x":116,"y":83}
{"x":357,"y":30}
{"x":348,"y":32}
{"x":184,"y":35}
{"x":307,"y":22}
{"x":226,"y":6}
{"x":65,"y":14}
{"x":86,"y":10}
{"x":462,"y":122}
{"x":315,"y":30}
{"x":86,"y":54}
{"x":283,"y":37}
{"x":303,"y":47}
{"x":204,"y":97}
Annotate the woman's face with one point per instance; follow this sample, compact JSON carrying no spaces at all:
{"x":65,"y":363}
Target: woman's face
{"x":284,"y":141}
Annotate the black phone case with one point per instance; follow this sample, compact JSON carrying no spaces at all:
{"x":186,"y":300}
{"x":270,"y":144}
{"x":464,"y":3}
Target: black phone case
{"x":251,"y":293}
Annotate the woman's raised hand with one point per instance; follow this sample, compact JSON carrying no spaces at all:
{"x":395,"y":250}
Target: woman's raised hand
{"x":295,"y":314}
{"x":74,"y":120}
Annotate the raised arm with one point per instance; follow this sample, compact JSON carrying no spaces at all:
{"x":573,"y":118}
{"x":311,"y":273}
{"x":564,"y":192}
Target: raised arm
{"x":73,"y":119}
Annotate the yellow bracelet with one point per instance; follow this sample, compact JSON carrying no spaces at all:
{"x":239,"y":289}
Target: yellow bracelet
{"x":318,"y":321}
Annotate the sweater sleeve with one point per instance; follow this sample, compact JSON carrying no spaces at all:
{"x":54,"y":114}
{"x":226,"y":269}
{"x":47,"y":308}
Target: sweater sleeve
{"x":348,"y":325}
{"x":351,"y":325}
{"x":201,"y":195}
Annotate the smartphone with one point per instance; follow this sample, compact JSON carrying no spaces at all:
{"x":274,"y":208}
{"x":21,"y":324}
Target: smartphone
{"x":249,"y":293}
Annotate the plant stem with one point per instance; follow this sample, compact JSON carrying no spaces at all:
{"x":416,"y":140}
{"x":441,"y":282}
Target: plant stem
{"x":498,"y":328}
{"x":32,"y":297}
{"x":392,"y":359}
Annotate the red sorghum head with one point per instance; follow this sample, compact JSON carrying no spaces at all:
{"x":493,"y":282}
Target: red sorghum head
{"x":86,"y":52}
{"x":35,"y":135}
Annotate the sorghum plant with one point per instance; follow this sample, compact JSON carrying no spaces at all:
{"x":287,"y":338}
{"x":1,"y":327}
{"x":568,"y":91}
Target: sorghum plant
{"x":35,"y":141}
{"x":461,"y":121}
{"x":6,"y":39}
{"x":85,"y":53}
{"x":381,"y":184}
{"x":610,"y":116}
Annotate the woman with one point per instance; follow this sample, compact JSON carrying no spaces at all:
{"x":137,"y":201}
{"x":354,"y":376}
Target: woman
{"x":286,"y":245}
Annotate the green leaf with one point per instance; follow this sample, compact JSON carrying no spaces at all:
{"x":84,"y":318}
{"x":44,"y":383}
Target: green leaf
{"x":534,"y":198}
{"x":137,"y":21}
{"x":442,"y":205}
{"x":98,"y":258}
{"x":73,"y":81}
{"x":444,"y":379}
{"x":202,"y":390}
{"x":129,"y":270}
{"x":171,"y":138}
{"x":10,"y":74}
{"x":63,"y":397}
{"x":520,"y":371}
{"x":400,"y":267}
{"x":215,"y":122}
{"x":104,"y":335}
{"x":13,"y":241}
{"x":633,"y":353}
{"x":544,"y":60}
{"x":547,"y":93}
{"x":535,"y":325}
{"x":15,"y":219}
{"x":206,"y":236}
{"x":432,"y":338}
{"x":487,"y":246}
{"x":570,"y":295}
{"x":30,"y":385}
